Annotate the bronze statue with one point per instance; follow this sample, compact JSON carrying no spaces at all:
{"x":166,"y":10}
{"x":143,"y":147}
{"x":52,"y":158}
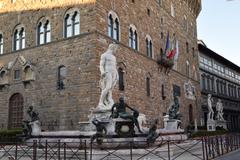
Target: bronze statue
{"x":173,"y":111}
{"x":119,"y":110}
{"x":152,"y":134}
{"x":26,"y":127}
{"x":101,"y":130}
{"x":32,"y":114}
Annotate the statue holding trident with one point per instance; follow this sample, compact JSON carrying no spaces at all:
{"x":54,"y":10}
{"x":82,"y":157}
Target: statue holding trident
{"x":109,"y":77}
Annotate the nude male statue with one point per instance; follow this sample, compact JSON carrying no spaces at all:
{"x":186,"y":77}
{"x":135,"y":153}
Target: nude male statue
{"x":109,"y":77}
{"x":219,"y":109}
{"x":210,"y":109}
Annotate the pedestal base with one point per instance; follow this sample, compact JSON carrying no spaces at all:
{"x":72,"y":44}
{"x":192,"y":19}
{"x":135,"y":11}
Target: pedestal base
{"x":211,"y":125}
{"x":222,"y":124}
{"x":36,"y":129}
{"x":173,"y":124}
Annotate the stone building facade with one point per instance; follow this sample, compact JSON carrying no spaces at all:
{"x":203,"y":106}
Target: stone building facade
{"x":221,"y":78}
{"x":51,"y":51}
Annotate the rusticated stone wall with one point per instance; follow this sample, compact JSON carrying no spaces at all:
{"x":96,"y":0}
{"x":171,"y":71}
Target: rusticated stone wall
{"x":63,"y":109}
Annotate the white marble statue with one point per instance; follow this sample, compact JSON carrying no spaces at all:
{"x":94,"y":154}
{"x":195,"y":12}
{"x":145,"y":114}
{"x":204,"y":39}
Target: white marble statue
{"x":109,"y":77}
{"x":36,"y":129}
{"x":142,"y":120}
{"x":210,"y":109}
{"x":219,"y":109}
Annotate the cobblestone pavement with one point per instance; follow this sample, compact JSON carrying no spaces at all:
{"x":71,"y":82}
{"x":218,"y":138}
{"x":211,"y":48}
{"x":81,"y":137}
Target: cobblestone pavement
{"x":235,"y":155}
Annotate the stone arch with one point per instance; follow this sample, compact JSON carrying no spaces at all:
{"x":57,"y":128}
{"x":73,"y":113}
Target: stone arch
{"x":28,"y":73}
{"x":43,"y":29}
{"x":3,"y":77}
{"x":114,"y":15}
{"x":149,"y":39}
{"x":148,"y":84}
{"x":115,"y":20}
{"x":19,"y":43}
{"x":72,"y":13}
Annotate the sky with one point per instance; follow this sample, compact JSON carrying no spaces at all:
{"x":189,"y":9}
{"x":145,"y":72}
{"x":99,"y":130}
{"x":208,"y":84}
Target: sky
{"x":219,"y":27}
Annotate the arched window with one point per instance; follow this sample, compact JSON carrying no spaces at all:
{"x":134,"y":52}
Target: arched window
{"x":161,"y":35}
{"x":190,"y":113}
{"x":15,"y":111}
{"x":121,"y":79}
{"x":116,"y":30}
{"x":19,"y":38}
{"x":71,"y":24}
{"x":193,"y":51}
{"x":149,"y":47}
{"x":148,"y":86}
{"x":203,"y":82}
{"x":161,"y":52}
{"x":187,"y":69}
{"x":1,"y":44}
{"x":172,"y":10}
{"x":28,"y":73}
{"x":187,"y":47}
{"x":62,"y":72}
{"x":3,"y":77}
{"x":133,"y":38}
{"x":44,"y":32}
{"x":185,"y":23}
{"x":110,"y":26}
{"x":194,"y":72}
{"x":113,"y":26}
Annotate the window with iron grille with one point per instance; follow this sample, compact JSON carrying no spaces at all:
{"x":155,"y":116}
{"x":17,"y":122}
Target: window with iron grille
{"x":176,"y":90}
{"x":148,"y":87}
{"x":1,"y":44}
{"x":121,"y":79}
{"x":62,"y":72}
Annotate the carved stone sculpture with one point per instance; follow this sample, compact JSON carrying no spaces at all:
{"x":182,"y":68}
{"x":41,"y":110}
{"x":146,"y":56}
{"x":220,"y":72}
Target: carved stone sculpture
{"x":109,"y":77}
{"x":219,"y":109}
{"x":210,"y":109}
{"x":142,"y":120}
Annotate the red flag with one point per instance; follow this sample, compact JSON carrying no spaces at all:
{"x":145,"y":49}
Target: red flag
{"x":173,"y":49}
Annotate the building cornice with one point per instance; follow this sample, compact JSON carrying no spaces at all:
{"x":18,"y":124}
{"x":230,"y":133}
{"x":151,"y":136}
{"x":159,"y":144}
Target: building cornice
{"x":211,"y":54}
{"x":196,"y":5}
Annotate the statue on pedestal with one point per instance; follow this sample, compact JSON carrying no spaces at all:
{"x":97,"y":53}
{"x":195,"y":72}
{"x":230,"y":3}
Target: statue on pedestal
{"x":152,"y":134}
{"x":119,"y":110}
{"x":32,"y":125}
{"x":173,"y":111}
{"x":219,"y":109}
{"x":109,"y":77}
{"x":210,"y":109}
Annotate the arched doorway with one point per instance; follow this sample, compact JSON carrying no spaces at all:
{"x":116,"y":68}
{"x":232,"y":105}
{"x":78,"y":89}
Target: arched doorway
{"x":15,"y":116}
